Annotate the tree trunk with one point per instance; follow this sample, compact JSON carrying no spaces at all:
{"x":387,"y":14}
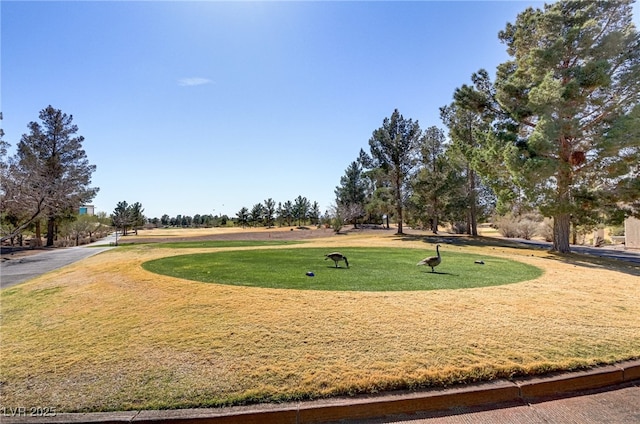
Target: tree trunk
{"x":562,"y":218}
{"x":38,"y":234}
{"x":561,"y":231}
{"x":34,"y":219}
{"x":473,"y":210}
{"x":399,"y":212}
{"x":398,"y":183}
{"x":51,"y":224}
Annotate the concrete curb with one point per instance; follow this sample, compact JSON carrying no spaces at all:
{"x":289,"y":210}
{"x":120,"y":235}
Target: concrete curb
{"x":499,"y":392}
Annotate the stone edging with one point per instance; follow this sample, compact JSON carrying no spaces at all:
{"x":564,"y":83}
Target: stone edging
{"x":519,"y":391}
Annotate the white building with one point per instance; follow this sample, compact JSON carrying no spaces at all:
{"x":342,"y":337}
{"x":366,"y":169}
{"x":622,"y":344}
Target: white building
{"x":86,"y":210}
{"x":632,"y":233}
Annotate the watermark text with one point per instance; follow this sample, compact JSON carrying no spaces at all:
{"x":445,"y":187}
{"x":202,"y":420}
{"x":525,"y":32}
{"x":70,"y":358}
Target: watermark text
{"x":24,"y":411}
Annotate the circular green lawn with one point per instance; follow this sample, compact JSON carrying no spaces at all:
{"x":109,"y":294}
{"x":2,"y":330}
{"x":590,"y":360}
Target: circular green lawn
{"x":371,"y":269}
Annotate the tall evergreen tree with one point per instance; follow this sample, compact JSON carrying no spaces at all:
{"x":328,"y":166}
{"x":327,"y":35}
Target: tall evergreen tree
{"x":394,"y":149}
{"x":466,"y":129}
{"x":121,"y":217}
{"x":287,"y":212}
{"x":280,"y":215}
{"x":50,"y":174}
{"x":437,"y":182}
{"x":243,"y":216}
{"x":624,"y":192}
{"x":574,"y":74}
{"x":269,"y":212}
{"x":482,"y":131}
{"x":256,"y":215}
{"x":61,"y":162}
{"x":379,"y":199}
{"x":351,"y":194}
{"x":301,"y":207}
{"x":137,"y":218}
{"x":4,"y":165}
{"x":314,"y":213}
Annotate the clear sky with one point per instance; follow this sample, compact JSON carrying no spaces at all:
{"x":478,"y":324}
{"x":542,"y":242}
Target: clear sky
{"x":206,"y":107}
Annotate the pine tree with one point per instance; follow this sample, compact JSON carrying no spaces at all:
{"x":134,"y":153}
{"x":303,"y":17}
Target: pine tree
{"x":394,"y":149}
{"x":351,"y":194}
{"x":269,"y":212}
{"x":50,"y":174}
{"x":243,"y":216}
{"x":437,"y":183}
{"x":301,"y":208}
{"x":573,"y":77}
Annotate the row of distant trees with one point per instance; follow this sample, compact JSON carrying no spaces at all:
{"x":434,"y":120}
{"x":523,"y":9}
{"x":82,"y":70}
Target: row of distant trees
{"x":298,"y":212}
{"x":73,"y":230}
{"x":82,"y":229}
{"x":557,"y":131}
{"x":197,"y":221}
{"x":125,"y":217}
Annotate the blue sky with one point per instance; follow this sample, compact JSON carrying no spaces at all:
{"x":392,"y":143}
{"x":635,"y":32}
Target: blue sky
{"x":206,"y":107}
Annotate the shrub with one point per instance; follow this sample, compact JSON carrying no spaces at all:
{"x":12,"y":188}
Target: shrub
{"x":618,"y":230}
{"x":507,"y":226}
{"x":336,"y":224}
{"x":527,"y":229}
{"x":515,"y":227}
{"x":459,"y":227}
{"x":546,"y":229}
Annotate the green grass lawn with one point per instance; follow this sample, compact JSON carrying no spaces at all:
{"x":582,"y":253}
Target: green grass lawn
{"x":371,"y":269}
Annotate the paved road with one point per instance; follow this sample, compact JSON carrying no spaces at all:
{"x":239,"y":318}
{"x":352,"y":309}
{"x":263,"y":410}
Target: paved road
{"x":611,"y":252}
{"x":16,"y":271}
{"x":620,"y":405}
{"x":614,"y":405}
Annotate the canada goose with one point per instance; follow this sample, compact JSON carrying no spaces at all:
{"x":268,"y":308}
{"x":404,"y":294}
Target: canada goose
{"x":432,"y":261}
{"x":336,"y":257}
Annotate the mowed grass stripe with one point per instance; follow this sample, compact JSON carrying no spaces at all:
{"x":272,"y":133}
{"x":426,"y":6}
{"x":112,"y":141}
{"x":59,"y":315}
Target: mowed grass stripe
{"x":371,"y":269}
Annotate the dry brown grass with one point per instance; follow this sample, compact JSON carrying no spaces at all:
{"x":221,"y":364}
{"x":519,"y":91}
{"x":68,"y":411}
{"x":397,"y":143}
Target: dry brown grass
{"x":191,"y":232}
{"x":104,"y":334}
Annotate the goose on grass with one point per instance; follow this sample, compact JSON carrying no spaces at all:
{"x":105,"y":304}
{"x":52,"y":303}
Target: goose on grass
{"x":432,"y":261}
{"x":337,"y":257}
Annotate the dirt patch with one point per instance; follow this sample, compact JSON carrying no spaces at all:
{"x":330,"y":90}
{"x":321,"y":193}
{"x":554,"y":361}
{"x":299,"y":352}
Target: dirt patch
{"x":301,"y":233}
{"x":15,"y":252}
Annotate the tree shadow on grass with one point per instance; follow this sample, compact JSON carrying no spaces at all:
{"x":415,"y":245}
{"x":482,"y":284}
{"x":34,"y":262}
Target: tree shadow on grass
{"x":462,"y":240}
{"x":576,"y":259}
{"x":594,"y":262}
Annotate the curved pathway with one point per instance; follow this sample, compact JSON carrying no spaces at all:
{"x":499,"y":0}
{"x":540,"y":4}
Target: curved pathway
{"x":610,"y":251}
{"x":18,"y":270}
